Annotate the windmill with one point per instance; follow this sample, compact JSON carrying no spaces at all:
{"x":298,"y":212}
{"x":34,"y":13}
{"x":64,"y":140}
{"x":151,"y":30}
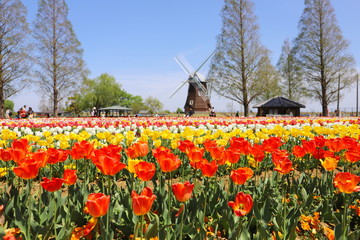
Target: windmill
{"x":198,"y":96}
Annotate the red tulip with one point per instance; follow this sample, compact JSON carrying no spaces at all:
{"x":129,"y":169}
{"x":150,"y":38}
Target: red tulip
{"x":241,"y":175}
{"x":138,"y":149}
{"x":20,"y":144}
{"x":97,"y":204}
{"x":347,"y":182}
{"x":195,"y":154}
{"x":208,"y":169}
{"x":27,"y":171}
{"x":242,"y":205}
{"x":82,"y":149}
{"x":182,"y":191}
{"x":298,"y":151}
{"x":159,"y":151}
{"x":69,"y":177}
{"x":185,"y":145}
{"x":52,"y":185}
{"x":57,"y":155}
{"x":108,"y":165}
{"x":5,"y":154}
{"x":169,"y":162}
{"x":142,"y":203}
{"x":145,"y":170}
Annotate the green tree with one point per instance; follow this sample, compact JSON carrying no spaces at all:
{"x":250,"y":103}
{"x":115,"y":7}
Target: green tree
{"x":60,"y":64}
{"x":137,"y":105}
{"x":236,"y":69}
{"x":103,"y":91}
{"x":14,"y":50}
{"x":323,"y":53}
{"x":153,"y":105}
{"x":270,"y":79}
{"x":291,"y":75}
{"x":8,"y":104}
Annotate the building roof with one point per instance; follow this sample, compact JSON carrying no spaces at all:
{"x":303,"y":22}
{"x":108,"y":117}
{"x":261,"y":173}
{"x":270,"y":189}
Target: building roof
{"x":114,"y":108}
{"x":279,"y":102}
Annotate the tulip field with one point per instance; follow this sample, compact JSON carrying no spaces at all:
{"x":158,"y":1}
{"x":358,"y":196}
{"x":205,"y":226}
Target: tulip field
{"x":180,"y":178}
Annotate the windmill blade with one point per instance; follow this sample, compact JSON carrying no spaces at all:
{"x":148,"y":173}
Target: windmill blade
{"x":179,"y":88}
{"x":204,"y":62}
{"x":201,"y":90}
{"x":185,"y":65}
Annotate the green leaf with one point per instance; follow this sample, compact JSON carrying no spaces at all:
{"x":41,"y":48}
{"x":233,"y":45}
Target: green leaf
{"x":153,"y":228}
{"x":245,"y":235}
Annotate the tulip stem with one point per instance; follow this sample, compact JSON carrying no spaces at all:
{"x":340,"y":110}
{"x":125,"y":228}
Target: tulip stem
{"x":344,"y":221}
{"x":29,"y":205}
{"x":55,"y":213}
{"x":141,"y":227}
{"x":182,"y":222}
{"x":108,"y":213}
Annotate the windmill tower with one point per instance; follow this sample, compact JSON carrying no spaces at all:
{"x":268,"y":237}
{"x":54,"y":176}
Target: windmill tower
{"x":198,"y":96}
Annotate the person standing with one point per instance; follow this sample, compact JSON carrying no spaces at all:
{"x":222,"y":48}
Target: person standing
{"x":7,"y":113}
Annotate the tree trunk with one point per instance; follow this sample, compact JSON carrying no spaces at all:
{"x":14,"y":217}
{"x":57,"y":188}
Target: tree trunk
{"x":246,"y":109}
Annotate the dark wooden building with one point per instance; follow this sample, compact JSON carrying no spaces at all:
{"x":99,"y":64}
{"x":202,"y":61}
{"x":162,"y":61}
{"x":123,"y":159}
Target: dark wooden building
{"x":195,"y":101}
{"x":279,"y":106}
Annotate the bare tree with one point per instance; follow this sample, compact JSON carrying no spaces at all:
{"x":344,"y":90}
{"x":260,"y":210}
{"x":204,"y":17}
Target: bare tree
{"x":61,"y":67}
{"x":239,"y":58}
{"x":15,"y":50}
{"x":323,"y":52}
{"x":291,"y":82}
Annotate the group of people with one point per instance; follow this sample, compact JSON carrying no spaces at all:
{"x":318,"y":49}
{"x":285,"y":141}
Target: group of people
{"x":24,"y":112}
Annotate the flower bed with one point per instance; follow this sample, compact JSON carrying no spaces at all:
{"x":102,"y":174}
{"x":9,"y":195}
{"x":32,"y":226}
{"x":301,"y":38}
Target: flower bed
{"x":180,"y":178}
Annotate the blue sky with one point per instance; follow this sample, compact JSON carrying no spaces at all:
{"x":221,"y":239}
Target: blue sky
{"x":136,"y":41}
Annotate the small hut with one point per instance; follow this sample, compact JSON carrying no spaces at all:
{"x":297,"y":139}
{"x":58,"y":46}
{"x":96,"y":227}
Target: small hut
{"x":113,"y":111}
{"x":279,"y":106}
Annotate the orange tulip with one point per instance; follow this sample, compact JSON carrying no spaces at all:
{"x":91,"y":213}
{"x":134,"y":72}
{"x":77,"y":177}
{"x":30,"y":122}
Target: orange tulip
{"x":138,"y":149}
{"x":169,"y":162}
{"x":82,"y":149}
{"x":335,"y":144}
{"x":347,"y":182}
{"x":231,"y":155}
{"x":84,"y":231}
{"x":69,"y":177}
{"x":241,"y":144}
{"x":257,"y":152}
{"x":195,"y":154}
{"x":108,"y":165}
{"x":12,"y":234}
{"x":281,"y":161}
{"x":216,"y":153}
{"x":242,"y":205}
{"x":329,"y":163}
{"x":97,"y":204}
{"x":241,"y":175}
{"x":209,"y":144}
{"x":298,"y":151}
{"x":272,"y":144}
{"x":142,"y":203}
{"x":352,"y":155}
{"x":185,"y":146}
{"x":182,"y":191}
{"x":208,"y":169}
{"x":18,"y":154}
{"x":159,"y":151}
{"x":52,"y":185}
{"x":27,"y":171}
{"x":145,"y":170}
